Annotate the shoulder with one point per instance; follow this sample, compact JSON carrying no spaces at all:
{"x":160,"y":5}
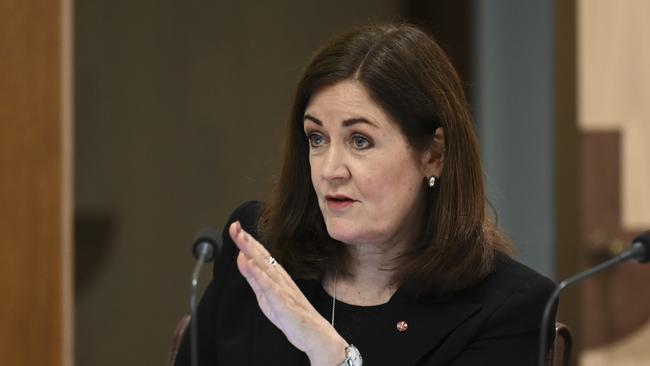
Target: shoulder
{"x":509,"y":279}
{"x":247,"y":214}
{"x":512,"y":298}
{"x":505,"y":330}
{"x":512,"y":301}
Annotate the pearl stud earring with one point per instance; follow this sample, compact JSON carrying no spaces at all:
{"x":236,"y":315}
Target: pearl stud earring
{"x":432,"y":182}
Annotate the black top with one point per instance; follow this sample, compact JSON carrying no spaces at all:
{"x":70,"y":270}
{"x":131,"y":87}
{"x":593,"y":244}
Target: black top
{"x":495,"y":322}
{"x":354,"y":322}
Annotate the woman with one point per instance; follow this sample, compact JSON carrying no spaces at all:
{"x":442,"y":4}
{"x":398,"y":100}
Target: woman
{"x":376,"y":241}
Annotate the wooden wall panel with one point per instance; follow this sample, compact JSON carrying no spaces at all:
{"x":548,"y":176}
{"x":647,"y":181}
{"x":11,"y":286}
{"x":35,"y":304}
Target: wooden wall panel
{"x":567,"y":180}
{"x":614,"y":90}
{"x":34,"y":183}
{"x":614,"y":126}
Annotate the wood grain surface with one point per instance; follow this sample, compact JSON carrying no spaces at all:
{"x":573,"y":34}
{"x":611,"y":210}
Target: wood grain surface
{"x":34,"y":184}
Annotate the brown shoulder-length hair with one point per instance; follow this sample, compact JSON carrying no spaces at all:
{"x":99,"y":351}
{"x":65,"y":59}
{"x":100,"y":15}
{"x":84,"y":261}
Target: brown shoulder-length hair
{"x":407,"y":73}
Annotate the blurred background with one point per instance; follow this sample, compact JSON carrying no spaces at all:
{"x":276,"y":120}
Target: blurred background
{"x":127,"y":125}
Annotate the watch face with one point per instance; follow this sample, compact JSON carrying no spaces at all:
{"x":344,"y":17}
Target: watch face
{"x":354,"y":357}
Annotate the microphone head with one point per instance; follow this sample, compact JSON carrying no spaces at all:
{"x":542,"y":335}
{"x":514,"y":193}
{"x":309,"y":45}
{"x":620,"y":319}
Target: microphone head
{"x":210,"y":237}
{"x":642,"y":242}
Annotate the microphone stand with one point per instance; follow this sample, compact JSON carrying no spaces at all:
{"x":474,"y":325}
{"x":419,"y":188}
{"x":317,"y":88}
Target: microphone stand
{"x":204,"y":253}
{"x":205,"y":247}
{"x":637,"y":251}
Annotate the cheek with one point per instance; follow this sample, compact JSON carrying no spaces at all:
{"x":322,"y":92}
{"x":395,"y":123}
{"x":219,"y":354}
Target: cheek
{"x":395,"y":170}
{"x":313,"y":169}
{"x":393,"y":189}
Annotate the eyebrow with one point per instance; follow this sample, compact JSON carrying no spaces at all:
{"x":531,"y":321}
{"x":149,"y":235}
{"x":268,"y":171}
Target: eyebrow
{"x":346,"y":123}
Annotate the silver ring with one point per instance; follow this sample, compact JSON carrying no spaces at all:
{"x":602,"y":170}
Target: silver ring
{"x":272,"y":261}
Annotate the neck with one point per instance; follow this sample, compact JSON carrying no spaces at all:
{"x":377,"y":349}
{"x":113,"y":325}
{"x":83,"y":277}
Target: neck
{"x":371,"y":278}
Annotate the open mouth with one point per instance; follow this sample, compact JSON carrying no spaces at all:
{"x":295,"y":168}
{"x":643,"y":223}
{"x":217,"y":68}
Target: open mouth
{"x":338,"y":198}
{"x":338,"y":201}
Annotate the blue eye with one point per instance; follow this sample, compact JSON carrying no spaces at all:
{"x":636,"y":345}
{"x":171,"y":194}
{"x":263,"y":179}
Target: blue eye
{"x":315,"y":139}
{"x":360,"y":142}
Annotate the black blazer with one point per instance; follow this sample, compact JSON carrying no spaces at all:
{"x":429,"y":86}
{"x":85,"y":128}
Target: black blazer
{"x":495,"y":322}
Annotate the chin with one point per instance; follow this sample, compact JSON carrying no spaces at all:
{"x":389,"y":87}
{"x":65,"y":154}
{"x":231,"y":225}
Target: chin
{"x":341,"y":232}
{"x":345,"y":233}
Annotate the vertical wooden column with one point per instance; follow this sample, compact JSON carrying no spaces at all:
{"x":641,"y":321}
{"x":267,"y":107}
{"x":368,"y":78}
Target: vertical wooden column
{"x":35,"y":194}
{"x":567,"y":210}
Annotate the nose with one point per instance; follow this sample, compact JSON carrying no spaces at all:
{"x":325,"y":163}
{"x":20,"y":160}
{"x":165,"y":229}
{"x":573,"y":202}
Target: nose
{"x":334,"y":165}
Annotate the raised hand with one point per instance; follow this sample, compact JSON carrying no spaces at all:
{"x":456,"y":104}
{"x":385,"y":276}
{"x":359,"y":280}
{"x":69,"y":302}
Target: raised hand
{"x":284,"y":304}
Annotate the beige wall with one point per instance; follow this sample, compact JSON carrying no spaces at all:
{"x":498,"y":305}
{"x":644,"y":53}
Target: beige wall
{"x":179,"y":112}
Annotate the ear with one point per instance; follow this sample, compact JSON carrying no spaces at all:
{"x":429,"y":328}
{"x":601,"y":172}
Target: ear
{"x":433,"y":159}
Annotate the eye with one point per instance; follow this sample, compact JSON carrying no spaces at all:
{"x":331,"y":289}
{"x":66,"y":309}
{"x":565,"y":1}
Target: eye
{"x":360,"y":142}
{"x":315,"y":139}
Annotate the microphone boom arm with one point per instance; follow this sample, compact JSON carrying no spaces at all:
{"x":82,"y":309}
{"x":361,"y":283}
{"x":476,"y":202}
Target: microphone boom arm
{"x":637,"y":251}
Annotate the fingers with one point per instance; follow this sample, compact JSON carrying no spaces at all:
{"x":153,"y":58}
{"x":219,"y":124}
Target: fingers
{"x":251,"y":247}
{"x":246,"y":268}
{"x":270,"y":296}
{"x":258,"y":279}
{"x":246,"y":242}
{"x":260,"y":256}
{"x":256,"y":251}
{"x":278,"y":296}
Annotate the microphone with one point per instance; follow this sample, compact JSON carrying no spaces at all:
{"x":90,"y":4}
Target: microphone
{"x":207,"y":244}
{"x":641,"y":248}
{"x":638,"y":251}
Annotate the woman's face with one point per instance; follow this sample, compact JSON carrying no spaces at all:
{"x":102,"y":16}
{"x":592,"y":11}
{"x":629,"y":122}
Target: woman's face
{"x":369,"y":182}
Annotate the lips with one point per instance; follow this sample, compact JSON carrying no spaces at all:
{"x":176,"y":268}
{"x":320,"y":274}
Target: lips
{"x":338,"y":201}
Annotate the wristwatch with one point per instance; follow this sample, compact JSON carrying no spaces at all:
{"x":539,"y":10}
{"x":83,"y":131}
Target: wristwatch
{"x":352,"y":357}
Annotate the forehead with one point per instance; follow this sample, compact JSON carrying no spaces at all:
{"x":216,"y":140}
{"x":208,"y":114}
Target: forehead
{"x":346,"y":100}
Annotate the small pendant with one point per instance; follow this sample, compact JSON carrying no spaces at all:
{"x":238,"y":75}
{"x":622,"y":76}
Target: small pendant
{"x":402,"y":326}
